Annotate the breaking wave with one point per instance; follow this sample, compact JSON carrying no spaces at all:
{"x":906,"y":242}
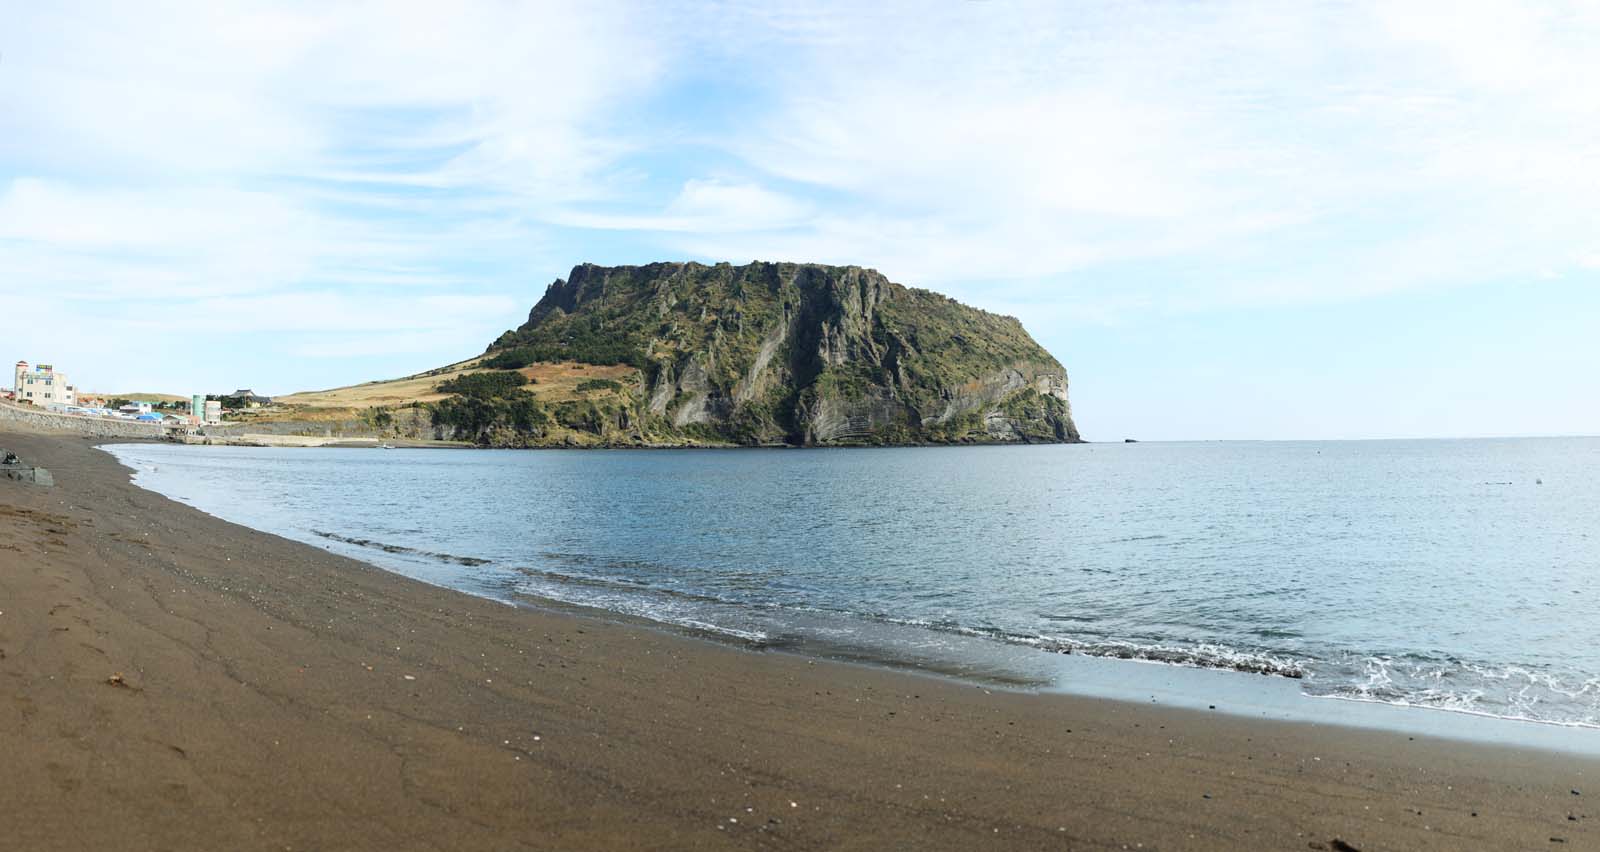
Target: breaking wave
{"x":400,"y":549}
{"x":1200,"y":655}
{"x":1517,"y":692}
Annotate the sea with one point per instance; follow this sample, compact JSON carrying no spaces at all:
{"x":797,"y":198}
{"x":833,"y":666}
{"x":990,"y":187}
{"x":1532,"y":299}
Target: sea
{"x":1439,"y":580}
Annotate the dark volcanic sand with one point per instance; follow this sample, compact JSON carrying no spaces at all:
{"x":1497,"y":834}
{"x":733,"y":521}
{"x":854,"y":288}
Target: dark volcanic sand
{"x":267,"y":701}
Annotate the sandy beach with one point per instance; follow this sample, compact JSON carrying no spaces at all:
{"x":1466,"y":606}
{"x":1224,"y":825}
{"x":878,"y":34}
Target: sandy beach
{"x":172,"y":681}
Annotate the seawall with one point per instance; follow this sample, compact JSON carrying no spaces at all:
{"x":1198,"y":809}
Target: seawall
{"x":96,"y":427}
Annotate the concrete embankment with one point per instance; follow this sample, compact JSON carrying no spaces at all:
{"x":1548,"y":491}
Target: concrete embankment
{"x":258,"y":434}
{"x":264,"y":439}
{"x":94,"y":427}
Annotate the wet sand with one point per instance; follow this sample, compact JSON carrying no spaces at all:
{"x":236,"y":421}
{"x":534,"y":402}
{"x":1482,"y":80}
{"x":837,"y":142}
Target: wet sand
{"x":172,"y":681}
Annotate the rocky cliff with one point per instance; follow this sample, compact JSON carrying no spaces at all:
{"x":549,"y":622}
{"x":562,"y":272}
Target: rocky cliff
{"x":803,"y":354}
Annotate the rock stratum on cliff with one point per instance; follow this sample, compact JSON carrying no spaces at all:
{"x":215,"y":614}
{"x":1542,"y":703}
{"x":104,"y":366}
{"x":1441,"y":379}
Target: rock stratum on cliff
{"x":762,"y":354}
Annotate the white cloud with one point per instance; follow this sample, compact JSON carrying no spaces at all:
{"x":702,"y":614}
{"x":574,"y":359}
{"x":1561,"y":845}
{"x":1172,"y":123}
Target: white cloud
{"x":193,"y":242}
{"x":332,"y":311}
{"x":706,"y":206}
{"x":736,"y":206}
{"x":509,"y":105}
{"x":1236,"y":153}
{"x":320,"y":173}
{"x":348,"y":344}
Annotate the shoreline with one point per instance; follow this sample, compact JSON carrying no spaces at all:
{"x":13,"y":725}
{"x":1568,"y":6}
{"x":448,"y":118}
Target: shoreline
{"x":1246,"y":682}
{"x":252,"y":439}
{"x":263,"y":701}
{"x":1027,"y":670}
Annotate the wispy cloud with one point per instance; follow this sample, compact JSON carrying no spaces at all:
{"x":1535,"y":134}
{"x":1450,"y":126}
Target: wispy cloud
{"x":290,"y":166}
{"x":707,"y":206}
{"x":1276,"y":153}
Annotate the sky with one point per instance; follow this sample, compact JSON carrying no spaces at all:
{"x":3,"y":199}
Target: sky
{"x":1227,"y":220}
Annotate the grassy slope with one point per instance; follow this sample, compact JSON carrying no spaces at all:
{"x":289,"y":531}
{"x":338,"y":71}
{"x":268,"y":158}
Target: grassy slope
{"x":552,"y":384}
{"x":402,"y":391}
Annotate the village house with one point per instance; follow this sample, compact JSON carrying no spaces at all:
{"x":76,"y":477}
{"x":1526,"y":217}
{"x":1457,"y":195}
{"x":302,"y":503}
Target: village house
{"x":249,"y":398}
{"x":43,"y":386}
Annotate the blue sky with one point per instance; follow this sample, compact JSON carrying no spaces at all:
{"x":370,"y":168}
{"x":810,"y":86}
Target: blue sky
{"x":1229,"y":220}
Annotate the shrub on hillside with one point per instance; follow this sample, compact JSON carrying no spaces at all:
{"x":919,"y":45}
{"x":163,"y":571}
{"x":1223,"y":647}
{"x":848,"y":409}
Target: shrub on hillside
{"x":510,"y":359}
{"x":478,"y":419}
{"x":586,"y":342}
{"x":484,"y":385}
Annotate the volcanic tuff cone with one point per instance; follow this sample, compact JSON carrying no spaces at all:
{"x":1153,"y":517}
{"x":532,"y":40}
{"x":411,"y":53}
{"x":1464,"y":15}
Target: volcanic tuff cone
{"x":793,"y":353}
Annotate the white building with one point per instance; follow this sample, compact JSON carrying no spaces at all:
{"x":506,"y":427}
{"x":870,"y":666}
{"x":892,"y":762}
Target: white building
{"x":43,"y":386}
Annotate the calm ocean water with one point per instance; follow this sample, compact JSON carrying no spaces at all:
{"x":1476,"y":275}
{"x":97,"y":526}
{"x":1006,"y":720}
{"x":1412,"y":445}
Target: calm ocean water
{"x":1459,"y":575}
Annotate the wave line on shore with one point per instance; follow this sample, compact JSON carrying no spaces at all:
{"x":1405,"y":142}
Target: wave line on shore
{"x":469,"y":561}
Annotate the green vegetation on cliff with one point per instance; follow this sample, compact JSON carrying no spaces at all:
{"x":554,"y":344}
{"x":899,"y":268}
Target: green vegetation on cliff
{"x":591,"y":385}
{"x":490,"y":407}
{"x":761,"y":354}
{"x":515,"y":421}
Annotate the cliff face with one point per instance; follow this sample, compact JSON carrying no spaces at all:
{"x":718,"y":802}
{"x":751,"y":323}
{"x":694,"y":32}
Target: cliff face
{"x":793,"y":353}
